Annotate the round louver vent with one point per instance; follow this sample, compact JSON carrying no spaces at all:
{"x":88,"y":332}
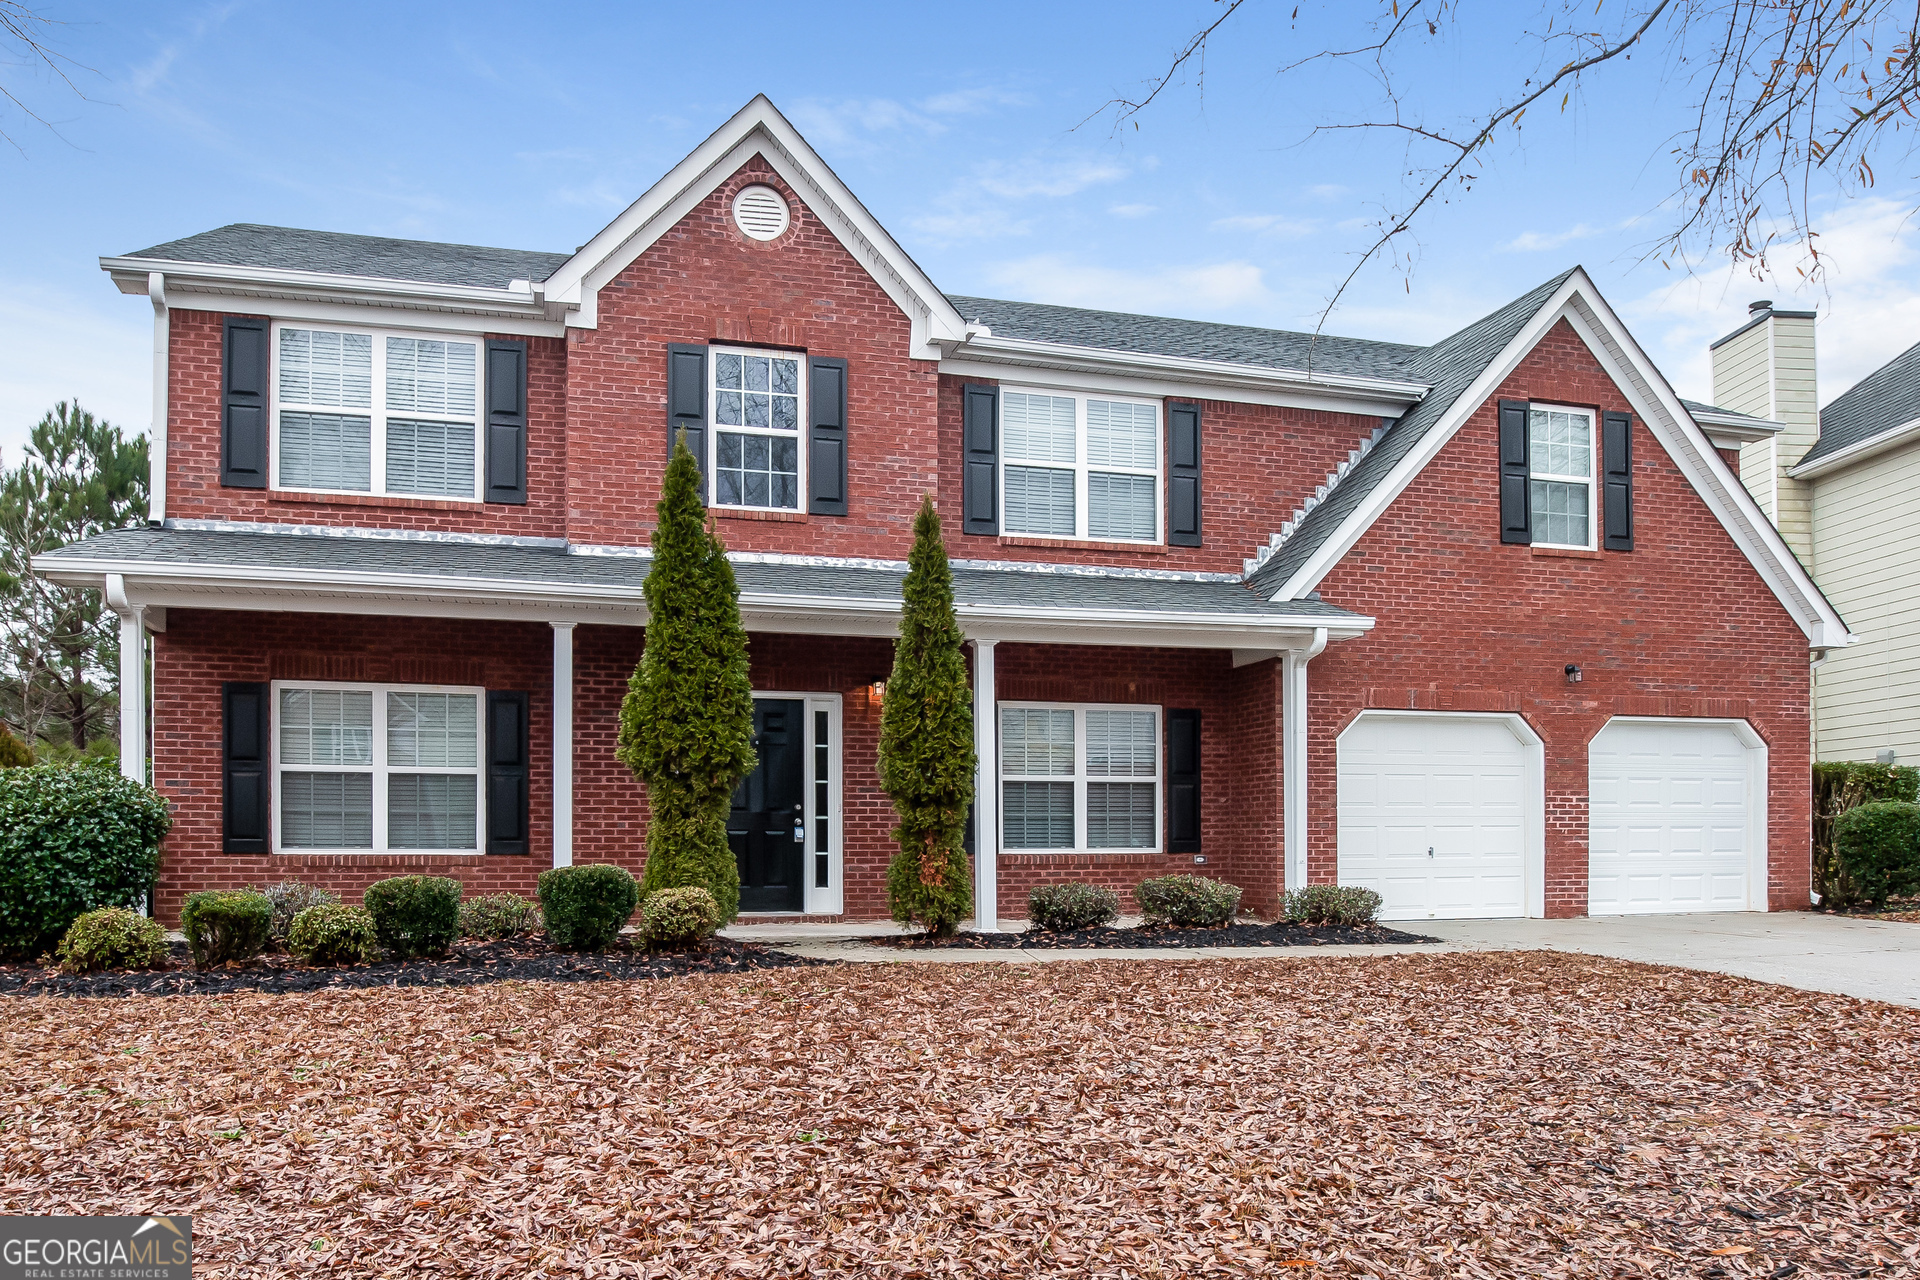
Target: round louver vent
{"x":760,"y":212}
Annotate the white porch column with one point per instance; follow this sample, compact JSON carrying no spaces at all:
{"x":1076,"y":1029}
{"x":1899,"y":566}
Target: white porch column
{"x":133,"y":680}
{"x":986,"y":792}
{"x":1293,"y":756}
{"x":563,"y":744}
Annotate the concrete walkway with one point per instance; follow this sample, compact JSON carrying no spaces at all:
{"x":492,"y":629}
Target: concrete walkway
{"x":1870,"y":959}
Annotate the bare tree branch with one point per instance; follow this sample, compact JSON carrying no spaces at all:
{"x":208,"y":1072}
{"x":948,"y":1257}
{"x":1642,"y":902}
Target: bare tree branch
{"x":1196,"y":47}
{"x":25,"y":31}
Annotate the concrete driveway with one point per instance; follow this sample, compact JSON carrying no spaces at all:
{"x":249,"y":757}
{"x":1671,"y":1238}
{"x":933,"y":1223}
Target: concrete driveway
{"x":1871,"y":959}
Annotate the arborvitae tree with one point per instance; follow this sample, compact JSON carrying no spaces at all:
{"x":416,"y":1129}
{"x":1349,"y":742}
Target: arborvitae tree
{"x":686,"y":726}
{"x":926,"y":744}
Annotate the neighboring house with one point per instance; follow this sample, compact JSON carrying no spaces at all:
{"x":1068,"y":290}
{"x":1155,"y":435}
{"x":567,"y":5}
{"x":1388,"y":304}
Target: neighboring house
{"x":1489,"y":625}
{"x":1843,"y":485}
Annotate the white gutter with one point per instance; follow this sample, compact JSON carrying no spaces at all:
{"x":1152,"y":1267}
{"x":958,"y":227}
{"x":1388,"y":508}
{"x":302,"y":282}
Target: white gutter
{"x":1871,"y":447}
{"x":1731,"y":430}
{"x":981,"y":345}
{"x":131,"y":274}
{"x":157,"y":432}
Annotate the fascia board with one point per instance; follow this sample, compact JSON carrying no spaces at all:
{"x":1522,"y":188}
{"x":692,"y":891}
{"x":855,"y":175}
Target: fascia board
{"x":1660,"y":408}
{"x":130,"y":275}
{"x":757,"y":127}
{"x":1734,"y":437}
{"x":1331,"y":552}
{"x":1886,"y":441}
{"x":182,"y":586}
{"x":1578,"y":302}
{"x":319,"y":309}
{"x":991,"y":357}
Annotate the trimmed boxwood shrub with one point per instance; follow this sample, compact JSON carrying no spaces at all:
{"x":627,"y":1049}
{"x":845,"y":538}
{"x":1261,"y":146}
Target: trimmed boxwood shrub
{"x":1840,"y":785}
{"x":415,"y":915}
{"x":329,"y":933}
{"x":675,"y":918}
{"x":1878,"y":847}
{"x":226,"y":924}
{"x":72,"y":840}
{"x":289,"y":899}
{"x":585,"y":907}
{"x":1071,"y":906}
{"x":111,"y":938}
{"x":1188,"y":902}
{"x":497,"y":915}
{"x":1346,"y":904}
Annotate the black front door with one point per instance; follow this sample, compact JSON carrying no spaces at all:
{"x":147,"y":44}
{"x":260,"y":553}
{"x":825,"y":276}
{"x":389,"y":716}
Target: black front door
{"x":767,"y":826}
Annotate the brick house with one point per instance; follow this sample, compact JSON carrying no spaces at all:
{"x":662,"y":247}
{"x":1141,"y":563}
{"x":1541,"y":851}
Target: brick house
{"x":1489,"y":625}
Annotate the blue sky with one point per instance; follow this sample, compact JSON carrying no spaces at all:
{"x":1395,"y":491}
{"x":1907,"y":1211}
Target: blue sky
{"x":530,"y":127}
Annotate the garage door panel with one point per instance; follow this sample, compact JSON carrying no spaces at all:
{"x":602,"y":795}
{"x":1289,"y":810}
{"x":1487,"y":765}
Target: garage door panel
{"x":1456,"y":786}
{"x":1668,"y":804}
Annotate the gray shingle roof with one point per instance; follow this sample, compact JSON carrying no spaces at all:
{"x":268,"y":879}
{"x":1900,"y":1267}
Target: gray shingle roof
{"x":507,"y":565}
{"x":246,"y":244}
{"x":1450,"y":365}
{"x":1698,"y":407}
{"x":1881,"y":401}
{"x":1194,"y":339}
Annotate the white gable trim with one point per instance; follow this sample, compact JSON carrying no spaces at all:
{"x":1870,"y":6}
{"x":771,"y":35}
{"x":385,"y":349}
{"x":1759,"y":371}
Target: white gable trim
{"x":1646,"y":389}
{"x":756,"y":129}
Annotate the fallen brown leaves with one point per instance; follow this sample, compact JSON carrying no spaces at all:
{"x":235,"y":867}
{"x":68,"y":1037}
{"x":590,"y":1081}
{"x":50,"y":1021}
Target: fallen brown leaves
{"x":1453,"y":1115}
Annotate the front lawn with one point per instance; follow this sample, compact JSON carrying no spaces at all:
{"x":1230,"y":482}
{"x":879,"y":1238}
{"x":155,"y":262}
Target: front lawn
{"x":1472,"y":1115}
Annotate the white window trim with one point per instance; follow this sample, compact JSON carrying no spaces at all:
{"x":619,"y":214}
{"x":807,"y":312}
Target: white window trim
{"x":1080,"y":778}
{"x":377,"y":411}
{"x":800,"y":431}
{"x":379,"y":768}
{"x":1586,"y":481}
{"x":1081,"y":467}
{"x":817,"y":901}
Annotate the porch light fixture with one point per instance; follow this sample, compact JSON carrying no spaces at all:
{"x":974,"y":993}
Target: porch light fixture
{"x":1573,"y":673}
{"x":877,"y":692}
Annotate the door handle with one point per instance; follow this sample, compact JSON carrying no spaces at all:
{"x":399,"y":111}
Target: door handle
{"x":1429,"y":851}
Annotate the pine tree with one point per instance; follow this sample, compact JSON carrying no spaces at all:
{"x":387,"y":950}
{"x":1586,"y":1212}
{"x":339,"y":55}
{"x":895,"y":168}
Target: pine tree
{"x":686,"y":726}
{"x":926,"y":744}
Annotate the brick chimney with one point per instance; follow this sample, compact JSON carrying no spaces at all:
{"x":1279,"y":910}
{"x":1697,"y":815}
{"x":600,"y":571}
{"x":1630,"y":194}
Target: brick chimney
{"x":1765,"y":368}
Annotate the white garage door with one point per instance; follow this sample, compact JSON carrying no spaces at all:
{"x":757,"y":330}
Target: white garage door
{"x":1669,"y":806}
{"x":1434,"y":814}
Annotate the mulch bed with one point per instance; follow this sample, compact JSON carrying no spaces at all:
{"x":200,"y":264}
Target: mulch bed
{"x":1239,"y":934}
{"x":469,"y":964}
{"x":1517,"y":1114}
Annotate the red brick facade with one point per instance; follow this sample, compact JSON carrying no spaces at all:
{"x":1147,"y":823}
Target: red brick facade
{"x":1682,"y":625}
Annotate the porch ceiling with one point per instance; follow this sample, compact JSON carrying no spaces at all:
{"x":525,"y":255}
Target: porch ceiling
{"x":406,"y":577}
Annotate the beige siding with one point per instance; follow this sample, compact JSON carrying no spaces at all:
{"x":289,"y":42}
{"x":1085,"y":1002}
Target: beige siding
{"x":1768,"y":371}
{"x":1866,"y":525}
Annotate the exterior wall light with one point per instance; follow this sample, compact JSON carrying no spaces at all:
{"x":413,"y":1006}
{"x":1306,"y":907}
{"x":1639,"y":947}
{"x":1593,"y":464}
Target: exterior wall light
{"x":877,"y":692}
{"x":1573,"y":673}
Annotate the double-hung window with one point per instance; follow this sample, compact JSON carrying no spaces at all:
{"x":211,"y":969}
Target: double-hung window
{"x":377,"y":767}
{"x":1079,"y":777}
{"x":1560,"y":471}
{"x":1078,"y":466}
{"x":757,"y":456}
{"x":364,"y":412}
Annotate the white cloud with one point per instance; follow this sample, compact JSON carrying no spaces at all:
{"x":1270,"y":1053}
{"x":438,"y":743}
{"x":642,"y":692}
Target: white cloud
{"x":1200,"y":290}
{"x":1868,"y":301}
{"x":1267,"y":224}
{"x":1326,"y":191}
{"x":1132,"y":210}
{"x":1045,"y":177}
{"x":967,"y":102}
{"x":1536,"y":241}
{"x":967,"y":210}
{"x":61,"y":349}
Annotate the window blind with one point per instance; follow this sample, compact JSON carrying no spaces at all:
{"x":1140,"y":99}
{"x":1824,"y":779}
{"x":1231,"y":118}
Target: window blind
{"x":1120,"y":506}
{"x":326,"y":810}
{"x":432,"y":811}
{"x":331,"y":369}
{"x":430,"y":458}
{"x":326,"y":451}
{"x":428,"y":376}
{"x":1039,"y":500}
{"x":433,"y":730}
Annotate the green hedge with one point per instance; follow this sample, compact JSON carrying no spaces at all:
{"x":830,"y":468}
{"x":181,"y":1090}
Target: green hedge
{"x":1838,"y":786}
{"x":585,"y":907}
{"x":328,"y":933}
{"x":415,"y":915}
{"x":111,"y":938}
{"x":226,"y":924}
{"x":1344,"y":904}
{"x":72,"y":840}
{"x":1071,"y":905}
{"x":678,"y":919}
{"x":1187,"y":901}
{"x":1877,"y":847}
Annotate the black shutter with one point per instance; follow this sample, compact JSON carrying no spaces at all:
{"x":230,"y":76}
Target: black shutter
{"x":1183,"y":475}
{"x":687,"y":403}
{"x":244,"y":373}
{"x":508,"y":755}
{"x":1616,"y":451}
{"x":1516,"y":501}
{"x":827,"y":437}
{"x":980,"y":449}
{"x":1183,"y":781}
{"x":244,"y":786}
{"x":507,"y":422}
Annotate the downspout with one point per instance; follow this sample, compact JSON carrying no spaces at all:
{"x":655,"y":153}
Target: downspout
{"x":133,"y":687}
{"x":157,"y":433}
{"x":1293,"y":757}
